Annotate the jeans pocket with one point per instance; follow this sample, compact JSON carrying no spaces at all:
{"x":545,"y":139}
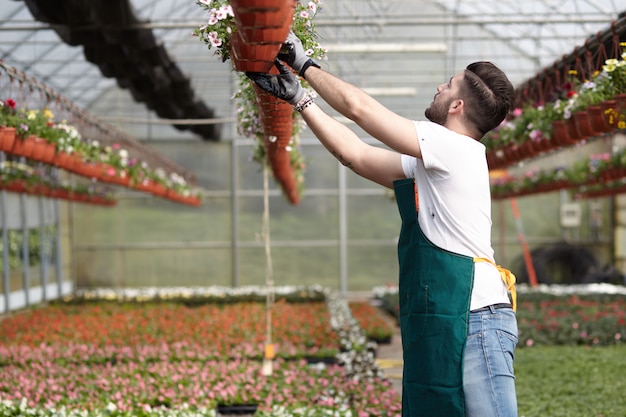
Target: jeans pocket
{"x":508,"y":342}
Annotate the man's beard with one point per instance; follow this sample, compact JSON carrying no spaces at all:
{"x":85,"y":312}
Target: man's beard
{"x":437,"y":112}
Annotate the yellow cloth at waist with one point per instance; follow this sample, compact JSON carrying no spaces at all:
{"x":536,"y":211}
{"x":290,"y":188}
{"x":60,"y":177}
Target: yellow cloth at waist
{"x":507,"y":276}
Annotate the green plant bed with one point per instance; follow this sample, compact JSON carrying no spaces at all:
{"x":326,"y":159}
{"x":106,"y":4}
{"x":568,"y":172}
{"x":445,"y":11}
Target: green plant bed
{"x":569,"y":381}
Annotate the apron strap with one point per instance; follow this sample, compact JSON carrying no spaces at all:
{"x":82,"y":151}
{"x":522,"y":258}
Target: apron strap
{"x":507,"y":276}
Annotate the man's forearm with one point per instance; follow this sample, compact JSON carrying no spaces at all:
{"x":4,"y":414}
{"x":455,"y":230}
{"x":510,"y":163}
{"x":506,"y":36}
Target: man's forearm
{"x":395,"y":131}
{"x":342,"y":96}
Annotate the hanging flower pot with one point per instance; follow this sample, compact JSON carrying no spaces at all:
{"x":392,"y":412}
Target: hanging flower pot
{"x":596,"y":119}
{"x":152,"y":187}
{"x":545,"y":144}
{"x":88,"y":169}
{"x":496,"y":158}
{"x":581,"y":120}
{"x":39,"y":148}
{"x":63,"y":160}
{"x":23,"y":146}
{"x":7,"y":136}
{"x":252,"y":57}
{"x":609,"y":112}
{"x":262,"y":27}
{"x":111,"y":175}
{"x":572,"y":130}
{"x":264,"y":24}
{"x":560,"y":134}
{"x":16,"y":186}
{"x":49,"y":152}
{"x":528,"y":149}
{"x":621,"y":110}
{"x":277,"y":120}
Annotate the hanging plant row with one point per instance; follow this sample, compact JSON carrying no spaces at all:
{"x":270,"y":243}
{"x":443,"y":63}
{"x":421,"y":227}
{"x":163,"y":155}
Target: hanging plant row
{"x":32,"y":134}
{"x":581,"y":110}
{"x":250,"y":34}
{"x":598,"y":175}
{"x":24,"y":179}
{"x":596,"y":121}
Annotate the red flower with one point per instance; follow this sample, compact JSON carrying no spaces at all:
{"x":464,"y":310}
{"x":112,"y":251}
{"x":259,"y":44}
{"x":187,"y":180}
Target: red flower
{"x":11,"y":103}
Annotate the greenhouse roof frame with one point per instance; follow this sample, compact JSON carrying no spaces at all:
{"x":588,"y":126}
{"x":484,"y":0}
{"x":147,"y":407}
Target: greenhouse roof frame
{"x":521,"y":37}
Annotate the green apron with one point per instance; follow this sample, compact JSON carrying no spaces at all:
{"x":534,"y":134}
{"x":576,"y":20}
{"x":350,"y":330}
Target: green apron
{"x":435,"y":286}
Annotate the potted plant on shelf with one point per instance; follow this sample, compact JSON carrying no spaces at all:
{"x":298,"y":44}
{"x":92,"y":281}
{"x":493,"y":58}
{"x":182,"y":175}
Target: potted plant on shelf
{"x":237,"y":31}
{"x":7,"y":124}
{"x":579,"y":110}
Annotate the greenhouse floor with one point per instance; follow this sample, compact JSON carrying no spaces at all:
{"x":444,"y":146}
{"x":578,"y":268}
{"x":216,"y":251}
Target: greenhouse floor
{"x":389,"y":358}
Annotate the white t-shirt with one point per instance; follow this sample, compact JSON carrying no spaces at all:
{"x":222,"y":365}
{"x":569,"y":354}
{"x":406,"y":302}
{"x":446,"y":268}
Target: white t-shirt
{"x":455,"y":203}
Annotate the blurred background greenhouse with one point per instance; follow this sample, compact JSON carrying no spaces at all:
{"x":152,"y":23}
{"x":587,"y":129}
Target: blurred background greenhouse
{"x":130,"y":72}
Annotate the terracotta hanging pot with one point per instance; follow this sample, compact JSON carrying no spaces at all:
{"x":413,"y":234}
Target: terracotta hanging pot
{"x":16,"y":186}
{"x":280,"y":163}
{"x":152,"y":187}
{"x":24,"y":147}
{"x":251,"y":57}
{"x":560,"y":135}
{"x":572,"y":130}
{"x":39,"y":148}
{"x":111,"y":175}
{"x":88,"y":169}
{"x":497,"y":158}
{"x":262,"y":27}
{"x":63,"y":160}
{"x":267,"y":25}
{"x":277,"y":121}
{"x":7,"y":139}
{"x":545,"y":144}
{"x":527,"y":149}
{"x":49,"y":152}
{"x":596,"y":119}
{"x":621,"y":110}
{"x":581,"y":120}
{"x":609,"y":112}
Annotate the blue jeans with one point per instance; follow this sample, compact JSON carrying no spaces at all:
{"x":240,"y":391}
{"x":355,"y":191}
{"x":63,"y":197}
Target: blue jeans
{"x":489,"y":381}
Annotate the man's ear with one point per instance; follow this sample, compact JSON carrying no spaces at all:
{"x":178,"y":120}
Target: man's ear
{"x":456,"y":106}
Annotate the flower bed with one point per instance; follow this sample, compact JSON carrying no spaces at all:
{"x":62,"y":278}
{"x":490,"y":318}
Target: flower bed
{"x":99,"y":354}
{"x":376,"y":328}
{"x":591,"y":315}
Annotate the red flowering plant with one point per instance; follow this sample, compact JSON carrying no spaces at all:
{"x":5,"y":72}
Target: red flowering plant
{"x":592,"y":315}
{"x":166,"y":358}
{"x":369,"y":317}
{"x":8,"y":113}
{"x":598,"y":319}
{"x":231,"y":330}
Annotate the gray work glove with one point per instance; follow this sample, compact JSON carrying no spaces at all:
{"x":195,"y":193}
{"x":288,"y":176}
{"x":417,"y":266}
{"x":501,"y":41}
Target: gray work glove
{"x":285,"y":85}
{"x":293,"y":54}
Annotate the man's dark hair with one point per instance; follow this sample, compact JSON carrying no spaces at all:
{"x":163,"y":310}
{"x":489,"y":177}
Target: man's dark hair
{"x":488,"y":94}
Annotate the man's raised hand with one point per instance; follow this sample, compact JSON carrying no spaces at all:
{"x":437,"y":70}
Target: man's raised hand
{"x":284,"y":85}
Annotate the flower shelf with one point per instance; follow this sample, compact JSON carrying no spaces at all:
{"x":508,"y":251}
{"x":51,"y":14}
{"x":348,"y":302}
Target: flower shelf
{"x":59,"y":193}
{"x":39,"y":149}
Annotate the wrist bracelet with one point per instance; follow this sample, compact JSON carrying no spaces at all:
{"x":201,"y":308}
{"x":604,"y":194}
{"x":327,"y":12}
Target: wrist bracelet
{"x":309,"y":63}
{"x":304,"y":103}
